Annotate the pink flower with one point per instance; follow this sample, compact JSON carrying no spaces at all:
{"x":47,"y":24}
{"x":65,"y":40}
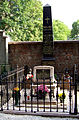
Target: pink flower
{"x":42,"y":88}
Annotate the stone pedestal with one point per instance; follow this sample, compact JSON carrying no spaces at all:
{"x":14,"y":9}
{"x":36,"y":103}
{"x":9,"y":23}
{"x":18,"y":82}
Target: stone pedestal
{"x":48,"y":62}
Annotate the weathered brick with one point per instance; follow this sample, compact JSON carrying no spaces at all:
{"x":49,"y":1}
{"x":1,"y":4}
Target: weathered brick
{"x":66,"y":54}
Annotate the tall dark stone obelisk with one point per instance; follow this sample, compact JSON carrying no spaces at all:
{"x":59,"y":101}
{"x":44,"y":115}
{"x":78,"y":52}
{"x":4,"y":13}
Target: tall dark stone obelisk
{"x":47,"y":34}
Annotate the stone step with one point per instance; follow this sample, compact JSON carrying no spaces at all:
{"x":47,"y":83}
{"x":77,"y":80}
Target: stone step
{"x":40,"y":102}
{"x":43,"y":107}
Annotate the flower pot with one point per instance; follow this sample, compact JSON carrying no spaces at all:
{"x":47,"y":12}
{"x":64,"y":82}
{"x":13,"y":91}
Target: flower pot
{"x":16,"y":95}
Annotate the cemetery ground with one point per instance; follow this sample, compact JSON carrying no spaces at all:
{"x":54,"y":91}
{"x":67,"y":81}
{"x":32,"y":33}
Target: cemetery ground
{"x":31,"y":117}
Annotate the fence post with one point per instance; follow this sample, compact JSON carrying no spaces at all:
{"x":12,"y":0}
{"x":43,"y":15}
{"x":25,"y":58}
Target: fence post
{"x":7,"y":94}
{"x":50,"y":95}
{"x":37,"y":97}
{"x":75,"y":89}
{"x":57,"y":92}
{"x":1,"y":97}
{"x":31,"y":96}
{"x":70,"y":96}
{"x":63,"y":93}
{"x":0,"y":69}
{"x":17,"y":76}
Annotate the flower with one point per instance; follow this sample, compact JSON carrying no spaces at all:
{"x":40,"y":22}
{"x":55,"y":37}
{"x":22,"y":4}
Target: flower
{"x":16,"y":95}
{"x":29,"y":76}
{"x":42,"y":91}
{"x":61,"y":96}
{"x":66,"y":76}
{"x":43,"y":88}
{"x":16,"y":89}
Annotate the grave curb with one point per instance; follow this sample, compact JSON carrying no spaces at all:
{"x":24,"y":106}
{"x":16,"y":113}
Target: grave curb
{"x":42,"y":114}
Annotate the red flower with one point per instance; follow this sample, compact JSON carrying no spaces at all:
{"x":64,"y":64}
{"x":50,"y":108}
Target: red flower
{"x":29,"y":76}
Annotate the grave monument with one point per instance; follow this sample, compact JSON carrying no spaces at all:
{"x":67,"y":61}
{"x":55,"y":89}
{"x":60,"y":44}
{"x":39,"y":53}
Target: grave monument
{"x":47,"y":34}
{"x":46,"y":71}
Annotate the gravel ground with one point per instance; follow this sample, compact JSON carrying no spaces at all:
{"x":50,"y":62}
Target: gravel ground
{"x":29,"y":117}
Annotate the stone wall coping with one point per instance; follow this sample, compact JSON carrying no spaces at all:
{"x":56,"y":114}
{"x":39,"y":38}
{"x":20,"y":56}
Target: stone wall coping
{"x":66,"y":41}
{"x":40,"y":42}
{"x":25,"y":42}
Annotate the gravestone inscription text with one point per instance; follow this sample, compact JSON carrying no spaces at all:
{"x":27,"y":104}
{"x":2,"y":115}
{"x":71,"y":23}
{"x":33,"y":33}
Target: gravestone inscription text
{"x":47,"y":33}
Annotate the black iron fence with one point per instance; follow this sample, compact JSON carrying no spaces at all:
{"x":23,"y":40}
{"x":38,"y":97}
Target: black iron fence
{"x":8,"y":82}
{"x":51,"y":96}
{"x":47,"y":95}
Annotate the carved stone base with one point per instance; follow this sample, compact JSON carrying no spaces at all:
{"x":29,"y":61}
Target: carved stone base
{"x":48,"y":63}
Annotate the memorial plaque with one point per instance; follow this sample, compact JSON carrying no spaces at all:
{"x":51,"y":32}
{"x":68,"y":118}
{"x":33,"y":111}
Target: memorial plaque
{"x":47,"y":33}
{"x":41,"y":74}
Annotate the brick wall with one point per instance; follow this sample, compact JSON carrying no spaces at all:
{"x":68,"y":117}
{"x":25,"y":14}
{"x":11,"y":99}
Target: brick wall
{"x":66,"y":54}
{"x":25,"y":53}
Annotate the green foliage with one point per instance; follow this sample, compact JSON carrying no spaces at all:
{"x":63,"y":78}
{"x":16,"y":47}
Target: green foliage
{"x":22,"y":19}
{"x":61,"y":31}
{"x":75,"y":30}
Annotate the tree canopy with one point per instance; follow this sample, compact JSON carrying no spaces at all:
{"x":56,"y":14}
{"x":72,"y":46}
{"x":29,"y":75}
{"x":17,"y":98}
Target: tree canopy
{"x":75,"y":30}
{"x":61,"y":31}
{"x":22,"y":19}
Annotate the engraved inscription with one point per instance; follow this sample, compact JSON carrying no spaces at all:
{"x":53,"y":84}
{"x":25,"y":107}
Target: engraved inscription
{"x":41,"y":74}
{"x":47,"y":49}
{"x":47,"y":33}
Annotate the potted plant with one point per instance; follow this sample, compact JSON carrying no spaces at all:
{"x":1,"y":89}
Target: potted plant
{"x":16,"y":95}
{"x":42,"y":91}
{"x":29,"y":76}
{"x":29,"y":79}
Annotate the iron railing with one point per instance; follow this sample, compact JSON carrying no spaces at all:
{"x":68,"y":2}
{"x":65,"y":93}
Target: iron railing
{"x":62,"y":95}
{"x":28,"y":100}
{"x":8,"y":82}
